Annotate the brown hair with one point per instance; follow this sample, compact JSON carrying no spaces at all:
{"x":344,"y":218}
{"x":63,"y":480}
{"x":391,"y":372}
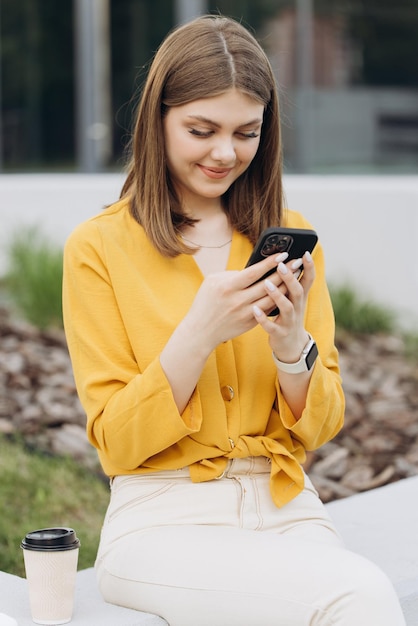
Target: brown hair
{"x":204,"y":58}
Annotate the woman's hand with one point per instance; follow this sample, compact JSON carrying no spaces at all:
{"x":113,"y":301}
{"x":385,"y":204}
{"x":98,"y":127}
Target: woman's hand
{"x":223,"y":306}
{"x":222,"y":309}
{"x":287,"y":335}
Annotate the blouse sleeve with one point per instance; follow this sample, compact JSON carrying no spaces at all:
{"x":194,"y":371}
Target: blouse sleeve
{"x":131,"y":414}
{"x":323,"y":415}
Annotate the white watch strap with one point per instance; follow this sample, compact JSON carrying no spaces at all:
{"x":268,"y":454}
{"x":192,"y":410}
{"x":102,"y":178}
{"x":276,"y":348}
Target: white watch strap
{"x":304,"y":364}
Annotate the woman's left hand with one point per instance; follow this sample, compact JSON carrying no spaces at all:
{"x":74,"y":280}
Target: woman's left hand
{"x":287,"y":335}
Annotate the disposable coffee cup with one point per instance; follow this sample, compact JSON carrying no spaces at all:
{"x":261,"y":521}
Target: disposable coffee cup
{"x":51,"y":556}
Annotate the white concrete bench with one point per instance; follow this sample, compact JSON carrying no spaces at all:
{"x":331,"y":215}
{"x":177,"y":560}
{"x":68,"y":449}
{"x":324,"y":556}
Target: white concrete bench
{"x":381,"y":524}
{"x":89,"y":608}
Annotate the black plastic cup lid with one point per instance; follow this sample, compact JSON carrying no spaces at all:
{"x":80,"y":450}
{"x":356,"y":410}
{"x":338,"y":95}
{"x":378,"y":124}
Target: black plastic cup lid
{"x":50,"y":539}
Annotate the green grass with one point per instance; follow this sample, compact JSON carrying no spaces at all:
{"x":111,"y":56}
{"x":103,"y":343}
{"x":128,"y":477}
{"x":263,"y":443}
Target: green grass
{"x":360,"y":316}
{"x":37,"y":491}
{"x":34,"y":278}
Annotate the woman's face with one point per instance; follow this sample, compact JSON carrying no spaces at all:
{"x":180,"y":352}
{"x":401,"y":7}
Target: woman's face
{"x":210,"y":143}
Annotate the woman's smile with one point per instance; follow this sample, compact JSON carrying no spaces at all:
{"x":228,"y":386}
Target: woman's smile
{"x":215,"y":172}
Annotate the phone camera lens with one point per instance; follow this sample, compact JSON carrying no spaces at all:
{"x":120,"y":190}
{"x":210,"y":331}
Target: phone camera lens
{"x":275,"y":244}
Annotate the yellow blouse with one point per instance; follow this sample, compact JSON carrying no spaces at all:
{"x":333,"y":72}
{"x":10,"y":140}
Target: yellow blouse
{"x":122,"y":300}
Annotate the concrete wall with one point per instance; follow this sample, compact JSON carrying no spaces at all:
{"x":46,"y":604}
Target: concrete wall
{"x":369,"y":229}
{"x":368,"y":226}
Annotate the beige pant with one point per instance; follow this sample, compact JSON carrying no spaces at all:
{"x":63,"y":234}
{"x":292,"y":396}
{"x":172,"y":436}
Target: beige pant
{"x":221,"y":553}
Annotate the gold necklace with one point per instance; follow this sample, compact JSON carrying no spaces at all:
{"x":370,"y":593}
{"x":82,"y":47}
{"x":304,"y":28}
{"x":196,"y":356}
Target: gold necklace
{"x":207,"y":247}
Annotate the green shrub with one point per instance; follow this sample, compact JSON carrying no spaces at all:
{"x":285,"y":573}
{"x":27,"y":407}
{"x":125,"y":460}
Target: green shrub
{"x":358,"y":316}
{"x":34,"y":279}
{"x":411,"y":346}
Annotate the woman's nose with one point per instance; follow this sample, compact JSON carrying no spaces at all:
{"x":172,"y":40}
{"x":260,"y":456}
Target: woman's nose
{"x":224,"y":150}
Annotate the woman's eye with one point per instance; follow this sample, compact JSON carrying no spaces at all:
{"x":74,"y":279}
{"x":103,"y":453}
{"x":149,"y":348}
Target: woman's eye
{"x":200,"y":133}
{"x":250,"y":135}
{"x":207,"y":133}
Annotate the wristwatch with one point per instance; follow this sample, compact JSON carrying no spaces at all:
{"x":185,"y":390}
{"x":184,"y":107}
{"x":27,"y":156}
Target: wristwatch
{"x":305,"y":363}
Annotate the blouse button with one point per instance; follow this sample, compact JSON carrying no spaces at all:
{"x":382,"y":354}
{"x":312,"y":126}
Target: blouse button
{"x":227,"y":393}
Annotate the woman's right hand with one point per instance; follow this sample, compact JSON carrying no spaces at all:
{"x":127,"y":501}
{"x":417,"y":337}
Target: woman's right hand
{"x":223,"y":306}
{"x":221,"y":310}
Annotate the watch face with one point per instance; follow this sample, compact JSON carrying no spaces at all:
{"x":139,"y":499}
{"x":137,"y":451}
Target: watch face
{"x":311,"y":356}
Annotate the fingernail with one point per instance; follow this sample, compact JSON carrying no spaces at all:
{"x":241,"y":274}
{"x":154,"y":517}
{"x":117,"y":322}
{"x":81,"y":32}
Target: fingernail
{"x":296,"y":264}
{"x":282,"y":268}
{"x":257,"y":311}
{"x":281,"y":257}
{"x":308,"y":257}
{"x":270,"y":286}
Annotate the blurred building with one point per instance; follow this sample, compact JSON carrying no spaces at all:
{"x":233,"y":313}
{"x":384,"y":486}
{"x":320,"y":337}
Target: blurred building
{"x":347,"y":126}
{"x":71,"y":73}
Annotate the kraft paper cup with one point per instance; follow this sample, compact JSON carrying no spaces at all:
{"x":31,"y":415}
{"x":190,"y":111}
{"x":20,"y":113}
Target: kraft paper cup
{"x":51,"y":556}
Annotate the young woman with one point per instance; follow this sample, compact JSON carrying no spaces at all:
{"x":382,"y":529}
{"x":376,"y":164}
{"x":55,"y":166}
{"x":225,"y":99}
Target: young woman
{"x":200,"y":404}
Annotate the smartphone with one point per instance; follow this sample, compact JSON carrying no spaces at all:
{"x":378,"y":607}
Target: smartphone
{"x":274,"y":240}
